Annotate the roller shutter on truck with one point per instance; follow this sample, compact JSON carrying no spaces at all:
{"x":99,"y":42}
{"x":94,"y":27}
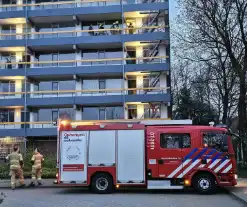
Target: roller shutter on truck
{"x":122,"y":149}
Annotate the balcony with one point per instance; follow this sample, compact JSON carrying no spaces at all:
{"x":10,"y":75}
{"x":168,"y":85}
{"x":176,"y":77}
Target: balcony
{"x":107,"y":67}
{"x":74,"y":4}
{"x":97,"y":38}
{"x":85,"y":97}
{"x":96,"y":97}
{"x":79,"y":33}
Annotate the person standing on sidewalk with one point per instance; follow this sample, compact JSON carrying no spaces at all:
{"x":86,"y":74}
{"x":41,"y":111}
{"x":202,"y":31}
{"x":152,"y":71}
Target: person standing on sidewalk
{"x":16,"y":164}
{"x":37,"y":161}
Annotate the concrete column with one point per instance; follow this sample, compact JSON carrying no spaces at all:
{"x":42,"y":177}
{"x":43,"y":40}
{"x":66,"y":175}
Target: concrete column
{"x":31,"y":119}
{"x":139,"y":54}
{"x":138,"y":22}
{"x":78,"y":57}
{"x":125,"y":111}
{"x":125,"y":83}
{"x":1,"y":37}
{"x":78,"y":86}
{"x":17,"y":117}
{"x":140,"y":111}
{"x":18,"y":88}
{"x":78,"y":27}
{"x":18,"y":3}
{"x":139,"y":83}
{"x":162,"y":52}
{"x":32,"y":59}
{"x":19,"y":29}
{"x":78,"y":114}
{"x":31,"y":90}
{"x":163,"y":82}
{"x":163,"y":111}
{"x":1,"y":9}
{"x":18,"y":56}
{"x":32,"y":31}
{"x":33,"y":2}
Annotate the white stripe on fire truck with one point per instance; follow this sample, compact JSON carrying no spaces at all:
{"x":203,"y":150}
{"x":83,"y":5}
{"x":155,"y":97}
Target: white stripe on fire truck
{"x":227,"y":169}
{"x":221,"y":166}
{"x":189,"y":168}
{"x":179,"y":168}
{"x":214,"y":163}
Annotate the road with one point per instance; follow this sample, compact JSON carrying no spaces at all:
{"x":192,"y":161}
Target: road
{"x":59,"y":197}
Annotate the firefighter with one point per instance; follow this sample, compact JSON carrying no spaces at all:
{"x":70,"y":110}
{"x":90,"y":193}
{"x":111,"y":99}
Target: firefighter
{"x":16,"y":164}
{"x":37,"y":161}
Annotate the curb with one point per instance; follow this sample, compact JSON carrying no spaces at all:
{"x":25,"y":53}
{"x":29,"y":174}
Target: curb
{"x":234,"y":196}
{"x":44,"y":187}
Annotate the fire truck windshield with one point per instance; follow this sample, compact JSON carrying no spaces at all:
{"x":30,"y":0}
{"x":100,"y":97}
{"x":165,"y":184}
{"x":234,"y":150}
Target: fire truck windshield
{"x":217,"y":140}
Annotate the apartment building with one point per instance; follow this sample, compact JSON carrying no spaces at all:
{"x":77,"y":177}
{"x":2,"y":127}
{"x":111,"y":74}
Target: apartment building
{"x":83,"y":60}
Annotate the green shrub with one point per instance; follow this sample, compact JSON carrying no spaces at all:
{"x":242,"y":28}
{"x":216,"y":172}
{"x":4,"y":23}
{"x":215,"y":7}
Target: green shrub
{"x":4,"y":171}
{"x":48,"y":171}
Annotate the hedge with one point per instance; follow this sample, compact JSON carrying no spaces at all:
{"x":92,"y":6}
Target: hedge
{"x":48,"y":168}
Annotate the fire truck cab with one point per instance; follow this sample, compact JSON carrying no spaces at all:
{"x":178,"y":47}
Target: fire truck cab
{"x":167,"y":155}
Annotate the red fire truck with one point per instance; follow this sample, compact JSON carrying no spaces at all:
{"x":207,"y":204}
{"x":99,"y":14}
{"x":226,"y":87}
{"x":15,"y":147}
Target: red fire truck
{"x":167,"y":154}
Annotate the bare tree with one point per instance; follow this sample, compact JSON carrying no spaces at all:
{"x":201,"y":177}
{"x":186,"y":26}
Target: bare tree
{"x":220,"y":24}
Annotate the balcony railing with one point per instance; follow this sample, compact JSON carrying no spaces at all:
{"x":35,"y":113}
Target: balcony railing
{"x":78,"y":33}
{"x":99,"y":92}
{"x":11,"y":95}
{"x":50,"y":124}
{"x":78,"y":93}
{"x":86,"y":62}
{"x":72,"y":4}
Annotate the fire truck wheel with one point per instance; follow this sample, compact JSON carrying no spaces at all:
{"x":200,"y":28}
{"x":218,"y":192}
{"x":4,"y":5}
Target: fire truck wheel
{"x":102,"y":183}
{"x":204,"y":183}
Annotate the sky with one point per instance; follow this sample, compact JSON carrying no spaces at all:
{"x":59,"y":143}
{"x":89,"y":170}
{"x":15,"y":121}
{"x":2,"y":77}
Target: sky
{"x":173,"y":10}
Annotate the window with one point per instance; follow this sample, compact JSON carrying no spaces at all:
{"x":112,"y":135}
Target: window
{"x":217,"y":140}
{"x":7,"y":115}
{"x":174,"y":141}
{"x":54,"y":115}
{"x":101,"y":85}
{"x":90,"y":113}
{"x":132,"y":111}
{"x":102,"y":114}
{"x":55,"y":86}
{"x":116,"y":112}
{"x":55,"y":58}
{"x":7,"y":86}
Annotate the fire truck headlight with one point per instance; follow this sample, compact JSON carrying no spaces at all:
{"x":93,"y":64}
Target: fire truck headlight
{"x":64,"y":122}
{"x":235,"y":176}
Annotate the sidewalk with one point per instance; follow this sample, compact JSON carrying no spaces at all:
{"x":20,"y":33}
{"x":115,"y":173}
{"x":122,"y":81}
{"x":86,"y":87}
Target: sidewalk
{"x":239,"y":191}
{"x":47,"y":183}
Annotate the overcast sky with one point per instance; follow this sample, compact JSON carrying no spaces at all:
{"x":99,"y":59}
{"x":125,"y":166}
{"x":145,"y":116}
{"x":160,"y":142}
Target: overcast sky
{"x":173,"y":10}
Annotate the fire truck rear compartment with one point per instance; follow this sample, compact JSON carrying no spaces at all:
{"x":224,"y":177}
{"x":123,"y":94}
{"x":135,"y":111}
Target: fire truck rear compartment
{"x":122,"y":149}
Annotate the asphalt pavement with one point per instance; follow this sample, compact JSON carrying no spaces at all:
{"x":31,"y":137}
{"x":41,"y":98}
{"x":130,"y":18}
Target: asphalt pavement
{"x":61,"y":197}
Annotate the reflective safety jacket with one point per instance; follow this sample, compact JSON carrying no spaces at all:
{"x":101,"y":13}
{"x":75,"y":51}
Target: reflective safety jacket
{"x":37,"y":160}
{"x":15,"y":160}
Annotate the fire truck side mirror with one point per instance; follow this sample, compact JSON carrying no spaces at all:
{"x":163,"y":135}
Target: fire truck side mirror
{"x":225,"y":149}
